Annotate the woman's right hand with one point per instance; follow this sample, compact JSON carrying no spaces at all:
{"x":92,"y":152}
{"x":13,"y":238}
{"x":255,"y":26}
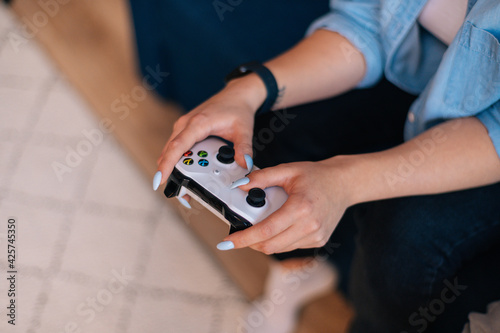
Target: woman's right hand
{"x":229,"y":114}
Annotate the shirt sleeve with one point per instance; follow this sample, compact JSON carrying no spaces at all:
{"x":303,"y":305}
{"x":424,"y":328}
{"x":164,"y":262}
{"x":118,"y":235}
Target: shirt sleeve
{"x":491,"y":120}
{"x":358,"y":21}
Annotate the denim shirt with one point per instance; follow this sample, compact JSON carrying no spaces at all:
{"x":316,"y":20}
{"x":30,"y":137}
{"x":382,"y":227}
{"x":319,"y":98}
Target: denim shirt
{"x":459,"y":80}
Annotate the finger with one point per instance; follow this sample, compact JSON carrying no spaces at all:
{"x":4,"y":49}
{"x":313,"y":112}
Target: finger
{"x":280,"y":242}
{"x":184,"y":202}
{"x":274,"y":176}
{"x":243,"y":149}
{"x":276,"y":223}
{"x":304,"y":233}
{"x":178,"y":127}
{"x":178,"y":146}
{"x":310,"y":241}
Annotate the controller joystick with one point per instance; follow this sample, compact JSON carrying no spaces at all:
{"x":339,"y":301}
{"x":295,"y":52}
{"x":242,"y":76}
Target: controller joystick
{"x":226,"y":155}
{"x":256,"y":197}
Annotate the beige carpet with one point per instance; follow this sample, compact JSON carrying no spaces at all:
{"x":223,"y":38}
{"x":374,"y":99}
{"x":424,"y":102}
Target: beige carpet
{"x":90,"y":42}
{"x":97,"y":249}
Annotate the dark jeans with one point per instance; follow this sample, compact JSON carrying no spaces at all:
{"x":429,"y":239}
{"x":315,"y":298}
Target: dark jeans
{"x":409,"y":264}
{"x":425,"y":262}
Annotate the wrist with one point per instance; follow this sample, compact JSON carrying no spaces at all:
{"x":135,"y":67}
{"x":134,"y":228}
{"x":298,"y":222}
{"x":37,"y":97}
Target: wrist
{"x":349,"y":173}
{"x":249,"y":88}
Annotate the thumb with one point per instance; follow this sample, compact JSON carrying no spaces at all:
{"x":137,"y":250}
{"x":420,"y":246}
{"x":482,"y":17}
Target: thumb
{"x":243,"y":150}
{"x":274,"y":176}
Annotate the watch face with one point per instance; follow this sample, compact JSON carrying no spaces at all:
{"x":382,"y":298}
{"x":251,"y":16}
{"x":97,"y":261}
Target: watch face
{"x":240,"y":71}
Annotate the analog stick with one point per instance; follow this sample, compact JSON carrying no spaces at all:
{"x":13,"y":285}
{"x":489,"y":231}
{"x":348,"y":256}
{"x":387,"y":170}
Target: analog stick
{"x":256,"y":197}
{"x":226,"y":155}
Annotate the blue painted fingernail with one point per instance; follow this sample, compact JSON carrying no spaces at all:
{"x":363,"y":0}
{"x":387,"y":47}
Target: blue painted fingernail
{"x":240,"y":182}
{"x":184,"y":202}
{"x":224,"y":246}
{"x":249,"y":162}
{"x":157,"y":180}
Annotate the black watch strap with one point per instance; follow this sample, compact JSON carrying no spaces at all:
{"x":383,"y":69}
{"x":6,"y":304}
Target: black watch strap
{"x":266,"y":76}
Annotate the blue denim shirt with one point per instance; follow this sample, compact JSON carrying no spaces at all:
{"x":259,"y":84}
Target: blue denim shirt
{"x":459,"y":80}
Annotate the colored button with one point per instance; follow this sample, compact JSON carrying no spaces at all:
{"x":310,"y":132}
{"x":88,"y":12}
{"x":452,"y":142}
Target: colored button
{"x":203,"y":162}
{"x":188,"y":161}
{"x":202,"y":153}
{"x":188,"y":153}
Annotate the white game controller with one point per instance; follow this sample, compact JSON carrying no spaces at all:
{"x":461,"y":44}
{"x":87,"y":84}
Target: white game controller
{"x":206,"y":174}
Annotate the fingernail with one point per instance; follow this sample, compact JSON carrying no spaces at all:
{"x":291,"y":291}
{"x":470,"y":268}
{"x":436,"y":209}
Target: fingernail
{"x":240,"y":182}
{"x":249,"y":162}
{"x":156,"y":180}
{"x":224,"y":246}
{"x":184,"y":202}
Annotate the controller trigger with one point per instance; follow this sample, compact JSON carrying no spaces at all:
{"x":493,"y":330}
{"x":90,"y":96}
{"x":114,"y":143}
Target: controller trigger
{"x":232,"y":229}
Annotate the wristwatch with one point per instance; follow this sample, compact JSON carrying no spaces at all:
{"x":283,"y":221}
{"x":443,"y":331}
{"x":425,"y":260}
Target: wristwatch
{"x":266,"y":76}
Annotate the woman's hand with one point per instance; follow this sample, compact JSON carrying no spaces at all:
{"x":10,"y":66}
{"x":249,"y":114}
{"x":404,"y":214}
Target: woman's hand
{"x":228,"y":114}
{"x":318,"y":197}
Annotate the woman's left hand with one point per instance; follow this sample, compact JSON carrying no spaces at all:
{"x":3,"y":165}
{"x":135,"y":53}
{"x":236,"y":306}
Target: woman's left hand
{"x":317,"y":199}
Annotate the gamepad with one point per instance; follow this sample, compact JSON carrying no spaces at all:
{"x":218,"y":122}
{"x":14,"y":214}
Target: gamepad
{"x":206,"y":173}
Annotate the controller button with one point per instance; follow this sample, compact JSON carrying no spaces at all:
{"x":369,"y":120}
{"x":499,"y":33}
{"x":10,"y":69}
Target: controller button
{"x":226,"y":155}
{"x":217,"y":172}
{"x":202,"y":153}
{"x":188,"y":161}
{"x":256,"y":197}
{"x":188,"y":153}
{"x":203,"y":162}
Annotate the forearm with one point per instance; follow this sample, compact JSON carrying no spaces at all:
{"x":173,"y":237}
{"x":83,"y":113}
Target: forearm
{"x":322,"y":65}
{"x":452,"y":156}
